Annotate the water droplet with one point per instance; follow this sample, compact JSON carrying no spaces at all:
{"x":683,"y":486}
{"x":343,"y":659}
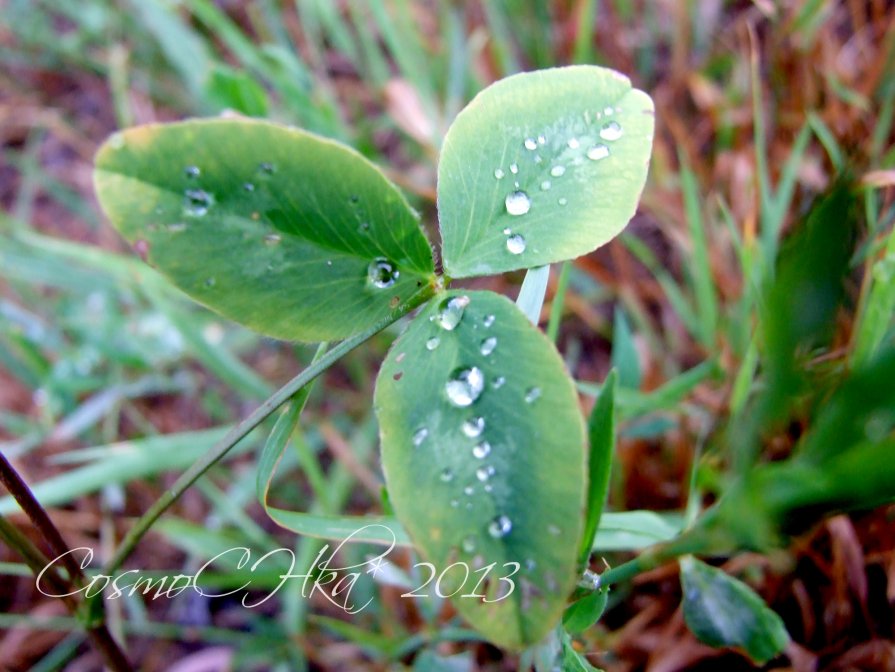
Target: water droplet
{"x":451,"y":312}
{"x":196,"y":202}
{"x":554,"y":530}
{"x":432,"y":343}
{"x":611,"y":131}
{"x":381,"y":273}
{"x":545,"y":185}
{"x":488,"y":345}
{"x":558,"y":171}
{"x":542,"y":140}
{"x":517,"y":203}
{"x":484,"y":473}
{"x":573,"y":143}
{"x":210,"y":282}
{"x":499,"y":382}
{"x":563,"y":201}
{"x":177,"y":227}
{"x":481,"y":450}
{"x":266,"y":168}
{"x":488,"y":321}
{"x":248,"y":186}
{"x":474,"y":427}
{"x":530,"y":143}
{"x":530,"y":564}
{"x":532,"y":394}
{"x":447,"y":475}
{"x":272,"y":239}
{"x":468,"y":544}
{"x":498,"y":173}
{"x":192,"y":172}
{"x":488,"y":487}
{"x":598,"y":152}
{"x":465,"y":386}
{"x":329,"y":262}
{"x":514,"y":168}
{"x":455,"y":503}
{"x":468,"y":490}
{"x":607,"y":111}
{"x":419,"y":436}
{"x":500,"y":527}
{"x":516,"y":244}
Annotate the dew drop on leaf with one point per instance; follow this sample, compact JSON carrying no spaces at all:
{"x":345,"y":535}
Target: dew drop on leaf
{"x":266,"y":168}
{"x":447,"y":475}
{"x":573,"y":143}
{"x":210,"y":282}
{"x":611,"y":131}
{"x":192,"y":171}
{"x":248,"y":186}
{"x":196,"y":202}
{"x":598,"y":152}
{"x":488,"y":345}
{"x":481,"y":450}
{"x":484,"y":473}
{"x":514,"y":168}
{"x":177,"y":227}
{"x":468,"y":544}
{"x":563,"y":201}
{"x":419,"y":436}
{"x":517,"y":203}
{"x":500,"y":527}
{"x":465,"y":386}
{"x":558,"y":171}
{"x":498,"y":173}
{"x":272,"y":239}
{"x":532,"y":394}
{"x":451,"y":312}
{"x":516,"y":244}
{"x":474,"y":427}
{"x":530,"y":144}
{"x":488,"y":321}
{"x":499,"y":382}
{"x":432,"y":343}
{"x":381,"y":273}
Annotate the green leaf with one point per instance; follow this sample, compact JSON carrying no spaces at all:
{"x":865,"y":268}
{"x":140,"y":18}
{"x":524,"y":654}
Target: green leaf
{"x":722,"y":611}
{"x":483,"y":453}
{"x":572,"y":661}
{"x":601,"y":435}
{"x":585,"y":612}
{"x":273,"y":227}
{"x":625,"y":358}
{"x":538,"y":129}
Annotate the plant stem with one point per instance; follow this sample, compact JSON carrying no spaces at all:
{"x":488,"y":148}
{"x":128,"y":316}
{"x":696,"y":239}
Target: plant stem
{"x":222,"y":447}
{"x":691,"y":542}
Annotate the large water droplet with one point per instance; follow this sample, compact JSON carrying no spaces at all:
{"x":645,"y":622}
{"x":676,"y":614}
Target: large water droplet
{"x":465,"y":386}
{"x":481,"y":450}
{"x":517,"y":203}
{"x":611,"y":131}
{"x":192,"y":172}
{"x":451,"y":312}
{"x":532,"y":394}
{"x":598,"y":152}
{"x":196,"y":202}
{"x":474,"y":427}
{"x":272,"y":239}
{"x":530,"y":143}
{"x":498,"y":173}
{"x":382,"y":273}
{"x":432,"y":343}
{"x":419,"y":436}
{"x":500,"y":527}
{"x":516,"y":244}
{"x":484,"y":473}
{"x":488,"y":345}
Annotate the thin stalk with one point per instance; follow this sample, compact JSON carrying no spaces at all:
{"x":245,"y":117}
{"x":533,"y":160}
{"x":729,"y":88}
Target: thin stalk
{"x":240,"y":431}
{"x":688,"y":543}
{"x":559,"y":300}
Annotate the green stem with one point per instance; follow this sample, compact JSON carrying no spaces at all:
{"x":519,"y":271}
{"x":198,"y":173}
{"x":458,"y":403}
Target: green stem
{"x":559,"y":299}
{"x":239,"y":432}
{"x":691,"y":542}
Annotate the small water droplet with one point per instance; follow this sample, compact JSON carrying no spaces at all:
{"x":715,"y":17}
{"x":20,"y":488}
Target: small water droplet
{"x":465,"y":386}
{"x":514,"y":168}
{"x":499,"y":382}
{"x":517,"y":203}
{"x":554,"y":530}
{"x":210,"y":282}
{"x":272,"y":239}
{"x":447,"y":475}
{"x":432,"y":343}
{"x":266,"y":168}
{"x":455,"y":503}
{"x":530,"y":144}
{"x":488,"y":487}
{"x":451,"y":312}
{"x":481,"y":450}
{"x":488,"y":321}
{"x":598,"y":152}
{"x":558,"y":171}
{"x":177,"y":227}
{"x":248,"y":186}
{"x":468,"y":490}
{"x":500,"y":527}
{"x":474,"y":427}
{"x":488,"y":345}
{"x":484,"y":473}
{"x":573,"y":143}
{"x":381,"y":273}
{"x":419,"y":436}
{"x":516,"y":244}
{"x":532,"y":394}
{"x":530,"y":564}
{"x":563,"y":201}
{"x":192,"y":172}
{"x":196,"y":202}
{"x":545,"y":185}
{"x":542,"y":140}
{"x":468,"y":544}
{"x":498,"y":173}
{"x":329,"y":262}
{"x":611,"y":131}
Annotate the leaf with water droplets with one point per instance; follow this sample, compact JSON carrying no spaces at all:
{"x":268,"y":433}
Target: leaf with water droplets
{"x":291,"y":234}
{"x":501,"y":417}
{"x":559,"y":156}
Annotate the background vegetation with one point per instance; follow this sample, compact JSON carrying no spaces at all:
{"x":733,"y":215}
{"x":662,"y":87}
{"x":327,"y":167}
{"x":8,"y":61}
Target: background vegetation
{"x":111,"y":382}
